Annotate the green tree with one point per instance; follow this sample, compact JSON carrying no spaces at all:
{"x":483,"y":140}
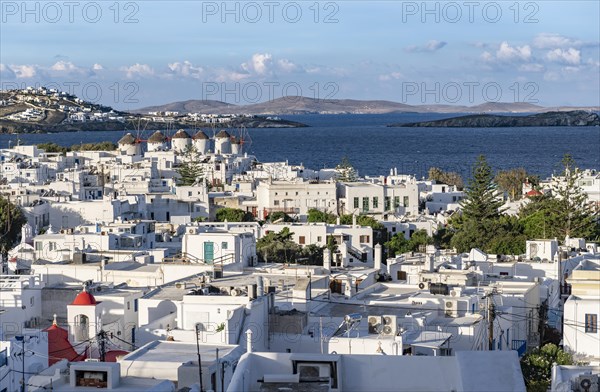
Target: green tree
{"x":539,"y":218}
{"x":233,"y":215}
{"x":100,"y":146}
{"x":511,"y":182}
{"x":315,"y":216}
{"x":398,"y":244}
{"x":53,"y":148}
{"x":313,"y":254}
{"x":190,"y":171}
{"x":345,"y":172}
{"x":443,"y":237}
{"x":576,"y":216}
{"x":567,"y":212}
{"x":508,"y":238}
{"x":11,"y":221}
{"x":481,"y":209}
{"x":537,"y":366}
{"x":278,"y":247}
{"x":443,"y":177}
{"x":279,"y":215}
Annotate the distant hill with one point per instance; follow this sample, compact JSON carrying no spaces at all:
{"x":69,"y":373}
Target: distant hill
{"x":190,"y":106}
{"x":302,"y":105}
{"x":305,"y":105}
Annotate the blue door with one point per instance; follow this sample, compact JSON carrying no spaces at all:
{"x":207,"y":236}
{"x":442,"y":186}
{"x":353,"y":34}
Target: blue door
{"x":209,"y":251}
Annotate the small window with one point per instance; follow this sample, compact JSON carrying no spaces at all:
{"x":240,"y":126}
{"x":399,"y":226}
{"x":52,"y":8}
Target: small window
{"x":128,"y":305}
{"x":405,"y":201}
{"x":275,"y":202}
{"x":396,"y":202}
{"x":319,"y":238}
{"x":364,"y":239}
{"x":356,"y":202}
{"x":301,"y":240}
{"x":135,"y":305}
{"x":591,"y":323}
{"x":365,"y":205}
{"x":39,"y":246}
{"x":375,"y":202}
{"x":223,"y":245}
{"x":31,"y":301}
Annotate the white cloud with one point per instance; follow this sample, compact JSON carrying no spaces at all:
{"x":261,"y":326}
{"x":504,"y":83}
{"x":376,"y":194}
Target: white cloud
{"x":568,"y":56}
{"x":138,"y":70}
{"x":227,"y":75}
{"x":430,"y":46}
{"x":6,"y":72}
{"x":259,"y":64}
{"x":532,"y":67}
{"x":97,"y":67}
{"x":287,"y":66}
{"x":552,"y":40}
{"x":509,"y":53}
{"x":391,"y":76}
{"x":186,"y":69}
{"x":64,"y":66}
{"x":25,"y":71}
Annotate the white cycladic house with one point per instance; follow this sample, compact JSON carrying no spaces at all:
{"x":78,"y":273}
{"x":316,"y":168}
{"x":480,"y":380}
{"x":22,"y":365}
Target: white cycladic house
{"x":220,"y":247}
{"x":581,"y":332}
{"x":295,"y":198}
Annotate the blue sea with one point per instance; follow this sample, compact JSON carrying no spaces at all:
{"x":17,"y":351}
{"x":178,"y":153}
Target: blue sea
{"x":373,"y":148}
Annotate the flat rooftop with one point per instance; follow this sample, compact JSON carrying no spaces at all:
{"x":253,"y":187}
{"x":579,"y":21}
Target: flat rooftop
{"x":176,"y":353}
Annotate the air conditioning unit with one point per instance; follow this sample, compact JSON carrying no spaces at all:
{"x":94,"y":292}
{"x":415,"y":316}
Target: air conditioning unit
{"x":586,"y":383}
{"x":192,"y":231}
{"x":92,"y":360}
{"x":456,"y":292}
{"x":451,"y":308}
{"x":375,"y":324}
{"x":103,"y":233}
{"x":314,"y":372}
{"x":390,"y":325}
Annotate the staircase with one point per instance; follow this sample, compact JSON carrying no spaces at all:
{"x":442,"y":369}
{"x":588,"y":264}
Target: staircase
{"x":356,"y":253}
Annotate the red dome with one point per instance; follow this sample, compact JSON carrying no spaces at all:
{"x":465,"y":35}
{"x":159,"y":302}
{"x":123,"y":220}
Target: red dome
{"x":533,"y":192}
{"x":84,"y":298}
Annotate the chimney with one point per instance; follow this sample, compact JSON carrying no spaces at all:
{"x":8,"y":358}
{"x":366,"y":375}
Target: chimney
{"x":377,"y":257}
{"x":249,"y":340}
{"x":326,"y":259}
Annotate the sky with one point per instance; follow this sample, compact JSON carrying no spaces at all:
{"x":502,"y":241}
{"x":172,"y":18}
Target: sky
{"x":131,"y":54}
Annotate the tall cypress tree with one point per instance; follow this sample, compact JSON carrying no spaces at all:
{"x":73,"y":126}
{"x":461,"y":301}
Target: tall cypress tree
{"x":481,"y":210}
{"x":482,"y":201}
{"x":574,"y":215}
{"x":190,"y":171}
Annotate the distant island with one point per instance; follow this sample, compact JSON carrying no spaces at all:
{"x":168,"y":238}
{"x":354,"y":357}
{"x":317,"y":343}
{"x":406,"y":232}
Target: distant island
{"x":306,"y":105}
{"x":575,"y":118}
{"x":43,"y":110}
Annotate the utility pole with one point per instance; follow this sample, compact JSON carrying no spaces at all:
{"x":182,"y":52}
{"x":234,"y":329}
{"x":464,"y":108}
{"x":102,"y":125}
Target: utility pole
{"x":199,"y":357}
{"x":102,"y":336}
{"x":21,"y":339}
{"x":491,"y":315}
